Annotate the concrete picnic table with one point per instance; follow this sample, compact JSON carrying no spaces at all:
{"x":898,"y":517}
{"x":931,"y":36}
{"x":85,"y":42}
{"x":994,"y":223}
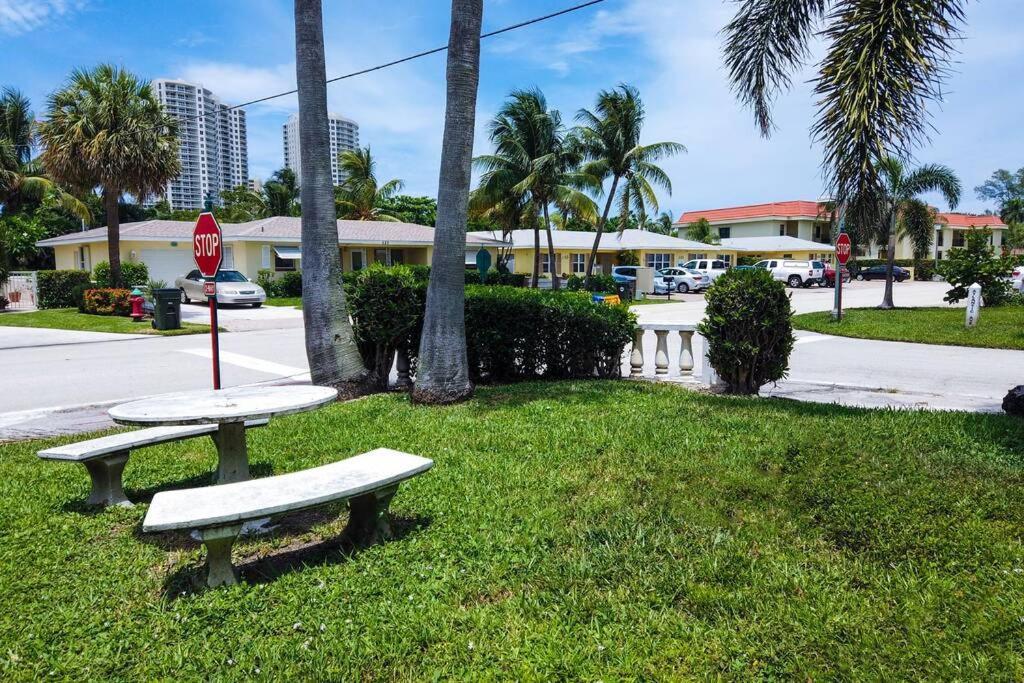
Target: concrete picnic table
{"x":230,"y":409}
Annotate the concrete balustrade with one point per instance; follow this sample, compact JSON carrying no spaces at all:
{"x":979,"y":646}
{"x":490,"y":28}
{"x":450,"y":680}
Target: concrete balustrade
{"x":661,"y":331}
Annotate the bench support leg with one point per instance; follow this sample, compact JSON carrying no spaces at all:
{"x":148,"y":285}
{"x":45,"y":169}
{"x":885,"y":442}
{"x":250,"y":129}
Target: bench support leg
{"x":105,"y":473}
{"x":218,"y":542}
{"x":368,"y":521}
{"x":232,"y":454}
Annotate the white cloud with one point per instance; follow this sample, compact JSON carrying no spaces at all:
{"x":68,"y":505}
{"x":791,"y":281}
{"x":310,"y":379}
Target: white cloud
{"x":24,"y":16}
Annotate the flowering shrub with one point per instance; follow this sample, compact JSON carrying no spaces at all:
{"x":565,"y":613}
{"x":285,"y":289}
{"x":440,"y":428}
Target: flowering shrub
{"x":107,"y":301}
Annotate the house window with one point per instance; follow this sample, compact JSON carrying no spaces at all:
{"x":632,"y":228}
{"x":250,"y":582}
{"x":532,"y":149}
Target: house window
{"x":725,"y":232}
{"x":726,"y":258}
{"x":787,"y":256}
{"x":397,"y":257}
{"x":938,"y":255}
{"x":958,"y":239}
{"x":659,"y":261}
{"x":82,"y":256}
{"x":579,"y":263}
{"x":942,"y":237}
{"x":282,"y":265}
{"x":545,"y":263}
{"x":358,"y":259}
{"x":782,"y":229}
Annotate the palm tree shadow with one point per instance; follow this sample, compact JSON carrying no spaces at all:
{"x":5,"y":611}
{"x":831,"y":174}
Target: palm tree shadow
{"x":293,"y":558}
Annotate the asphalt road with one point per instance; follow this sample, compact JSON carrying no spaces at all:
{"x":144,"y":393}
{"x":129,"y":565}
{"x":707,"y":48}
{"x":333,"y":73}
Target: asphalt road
{"x":55,"y":375}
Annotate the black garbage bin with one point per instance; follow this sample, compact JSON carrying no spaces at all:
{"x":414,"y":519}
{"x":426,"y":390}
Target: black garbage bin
{"x":166,"y":309}
{"x":625,"y":290}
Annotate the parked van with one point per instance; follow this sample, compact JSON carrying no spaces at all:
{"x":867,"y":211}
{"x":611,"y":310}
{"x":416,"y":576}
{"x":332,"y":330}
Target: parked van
{"x":794,"y":273}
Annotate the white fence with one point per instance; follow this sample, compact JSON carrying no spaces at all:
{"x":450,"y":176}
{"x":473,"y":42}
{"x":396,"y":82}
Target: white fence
{"x":21,"y":290}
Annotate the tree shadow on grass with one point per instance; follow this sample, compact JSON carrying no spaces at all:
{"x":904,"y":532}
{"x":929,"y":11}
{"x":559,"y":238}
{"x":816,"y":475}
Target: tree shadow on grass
{"x":298,"y":556}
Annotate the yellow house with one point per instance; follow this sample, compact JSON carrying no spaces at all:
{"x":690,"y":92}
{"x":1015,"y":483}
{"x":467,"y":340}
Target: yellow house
{"x":572,"y":249}
{"x":270,"y":244}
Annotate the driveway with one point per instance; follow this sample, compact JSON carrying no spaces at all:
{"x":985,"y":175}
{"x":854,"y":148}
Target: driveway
{"x":244,"y":318}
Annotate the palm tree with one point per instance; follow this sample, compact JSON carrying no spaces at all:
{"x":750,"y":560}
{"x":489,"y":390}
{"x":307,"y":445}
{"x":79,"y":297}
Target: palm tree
{"x":106,"y":129}
{"x":331,"y":349}
{"x":883,"y":62}
{"x":359,"y":196}
{"x":702,"y":231}
{"x":898,"y":201}
{"x":509,"y":210}
{"x":281,"y":194}
{"x":610,"y":136}
{"x":442,"y":375}
{"x":535,"y":158}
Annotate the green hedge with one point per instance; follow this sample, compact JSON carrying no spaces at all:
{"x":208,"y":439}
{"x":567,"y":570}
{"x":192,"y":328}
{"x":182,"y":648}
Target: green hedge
{"x":494,"y":278}
{"x":512,"y":333}
{"x":132,"y":274}
{"x":599,"y":282}
{"x":57,"y":287}
{"x":288,"y":285}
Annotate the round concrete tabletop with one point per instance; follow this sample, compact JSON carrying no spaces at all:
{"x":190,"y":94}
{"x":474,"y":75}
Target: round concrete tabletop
{"x":237,"y":404}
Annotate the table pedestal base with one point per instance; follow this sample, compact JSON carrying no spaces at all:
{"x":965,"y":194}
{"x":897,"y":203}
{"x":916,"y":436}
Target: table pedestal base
{"x":233,"y":456}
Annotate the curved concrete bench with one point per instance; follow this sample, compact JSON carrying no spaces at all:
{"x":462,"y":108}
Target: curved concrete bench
{"x":105,"y":457}
{"x":368,"y":481}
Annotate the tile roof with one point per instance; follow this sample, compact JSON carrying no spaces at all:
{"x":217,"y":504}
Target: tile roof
{"x":967,"y":220}
{"x":610,"y":241}
{"x":278,"y":228}
{"x":784,"y":210}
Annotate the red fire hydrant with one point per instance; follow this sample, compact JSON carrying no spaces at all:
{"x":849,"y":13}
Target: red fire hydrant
{"x":136,"y":300}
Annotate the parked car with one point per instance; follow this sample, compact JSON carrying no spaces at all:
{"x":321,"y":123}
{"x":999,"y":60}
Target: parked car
{"x":793,"y":273}
{"x":680,"y":280}
{"x":713,"y":268}
{"x":624,"y":273}
{"x":828,"y":277}
{"x":1017,"y":278}
{"x":232,"y":288}
{"x":878,"y":273}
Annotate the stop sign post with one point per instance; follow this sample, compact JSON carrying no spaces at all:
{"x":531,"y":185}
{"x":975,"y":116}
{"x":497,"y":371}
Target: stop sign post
{"x":208,"y":249}
{"x":843,"y":249}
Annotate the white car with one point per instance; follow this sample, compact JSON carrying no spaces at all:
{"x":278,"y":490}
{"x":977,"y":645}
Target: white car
{"x":713,"y":268}
{"x":680,"y":280}
{"x":1017,"y":278}
{"x":794,"y":273}
{"x":232,"y":288}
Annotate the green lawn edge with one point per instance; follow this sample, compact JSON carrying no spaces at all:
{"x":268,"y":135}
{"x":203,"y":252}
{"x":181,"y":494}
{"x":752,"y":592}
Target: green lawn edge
{"x":71,"y":319}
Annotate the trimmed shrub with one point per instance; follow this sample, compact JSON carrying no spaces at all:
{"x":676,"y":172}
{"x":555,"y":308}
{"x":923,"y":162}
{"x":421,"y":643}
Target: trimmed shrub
{"x":265,"y":279}
{"x":748,"y":329}
{"x":107,"y":301}
{"x":495,"y":278}
{"x":977,"y":262}
{"x":512,"y":333}
{"x":290,"y":284}
{"x":132,"y":274}
{"x":599,"y":282}
{"x":56,"y":287}
{"x":387,"y":306}
{"x":78,"y":295}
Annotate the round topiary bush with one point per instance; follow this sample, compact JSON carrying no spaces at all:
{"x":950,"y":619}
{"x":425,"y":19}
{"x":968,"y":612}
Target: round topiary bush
{"x":1013,"y":402}
{"x":748,"y":329}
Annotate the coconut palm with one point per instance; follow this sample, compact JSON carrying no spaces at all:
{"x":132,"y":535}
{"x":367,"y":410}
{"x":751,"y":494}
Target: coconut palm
{"x":442,"y":374}
{"x":702,"y":231}
{"x":509,"y":210}
{"x":610,"y":136}
{"x":16,"y":124}
{"x":359,"y":196}
{"x":898,"y":201}
{"x":106,"y":129}
{"x":883,"y":61}
{"x":281,"y":194}
{"x":534,"y":158}
{"x":331,"y":350}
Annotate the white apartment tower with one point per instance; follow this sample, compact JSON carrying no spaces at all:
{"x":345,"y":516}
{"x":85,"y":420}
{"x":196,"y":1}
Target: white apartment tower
{"x":213,"y":146}
{"x":344,"y":136}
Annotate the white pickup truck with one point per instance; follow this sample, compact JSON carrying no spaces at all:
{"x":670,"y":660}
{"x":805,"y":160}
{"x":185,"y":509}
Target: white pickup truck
{"x":713,"y":268}
{"x":794,"y":273}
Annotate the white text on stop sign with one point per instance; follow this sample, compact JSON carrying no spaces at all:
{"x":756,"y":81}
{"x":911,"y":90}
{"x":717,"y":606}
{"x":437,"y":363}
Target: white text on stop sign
{"x":207,"y":244}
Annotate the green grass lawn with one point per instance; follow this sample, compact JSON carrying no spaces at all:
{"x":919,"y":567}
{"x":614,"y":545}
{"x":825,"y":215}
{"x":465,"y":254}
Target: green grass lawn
{"x":998,"y":328}
{"x":576,"y":530}
{"x":295,"y":301}
{"x":71,"y":319}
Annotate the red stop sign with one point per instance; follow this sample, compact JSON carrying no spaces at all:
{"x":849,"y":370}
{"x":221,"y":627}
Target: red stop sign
{"x":843,"y":248}
{"x":208,"y":245}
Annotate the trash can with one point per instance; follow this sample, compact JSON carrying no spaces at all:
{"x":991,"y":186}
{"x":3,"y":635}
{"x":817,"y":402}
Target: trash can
{"x":625,"y":290}
{"x":166,"y":309}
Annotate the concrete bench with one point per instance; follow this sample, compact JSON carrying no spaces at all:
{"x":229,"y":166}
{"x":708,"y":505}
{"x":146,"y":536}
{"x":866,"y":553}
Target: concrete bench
{"x":368,"y":481}
{"x":105,"y":457}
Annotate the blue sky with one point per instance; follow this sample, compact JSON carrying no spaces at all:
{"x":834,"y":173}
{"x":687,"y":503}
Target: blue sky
{"x":242,"y":49}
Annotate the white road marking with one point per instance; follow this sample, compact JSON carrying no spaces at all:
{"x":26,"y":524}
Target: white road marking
{"x":252,"y":363}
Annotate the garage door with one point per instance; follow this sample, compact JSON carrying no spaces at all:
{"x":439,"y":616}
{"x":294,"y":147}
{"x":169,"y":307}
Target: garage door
{"x":168,"y":264}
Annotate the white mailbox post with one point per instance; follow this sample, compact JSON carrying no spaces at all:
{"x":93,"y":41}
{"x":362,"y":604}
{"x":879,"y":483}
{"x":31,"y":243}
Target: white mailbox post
{"x":974,"y":304}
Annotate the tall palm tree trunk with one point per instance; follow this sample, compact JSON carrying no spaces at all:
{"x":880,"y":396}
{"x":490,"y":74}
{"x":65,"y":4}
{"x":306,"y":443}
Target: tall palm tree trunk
{"x":334,"y":359}
{"x":600,"y":228}
{"x":442,"y":374}
{"x":887,"y":302}
{"x":536,"y":250}
{"x":551,"y":250}
{"x":110,"y":198}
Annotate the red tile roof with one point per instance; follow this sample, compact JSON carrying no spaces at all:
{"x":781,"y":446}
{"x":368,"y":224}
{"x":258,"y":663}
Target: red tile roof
{"x":966,"y":220}
{"x":794,"y":209}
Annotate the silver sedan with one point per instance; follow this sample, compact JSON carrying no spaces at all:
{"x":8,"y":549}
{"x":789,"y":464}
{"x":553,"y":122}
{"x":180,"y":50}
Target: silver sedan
{"x":232,"y":288}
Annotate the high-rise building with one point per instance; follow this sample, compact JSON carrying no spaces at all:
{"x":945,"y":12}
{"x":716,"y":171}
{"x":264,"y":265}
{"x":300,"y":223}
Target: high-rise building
{"x":213,"y":146}
{"x":344,"y":136}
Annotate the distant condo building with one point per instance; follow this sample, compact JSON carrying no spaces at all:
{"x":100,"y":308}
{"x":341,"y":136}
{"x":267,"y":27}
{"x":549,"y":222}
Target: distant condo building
{"x":213,"y":146}
{"x":344,"y":136}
